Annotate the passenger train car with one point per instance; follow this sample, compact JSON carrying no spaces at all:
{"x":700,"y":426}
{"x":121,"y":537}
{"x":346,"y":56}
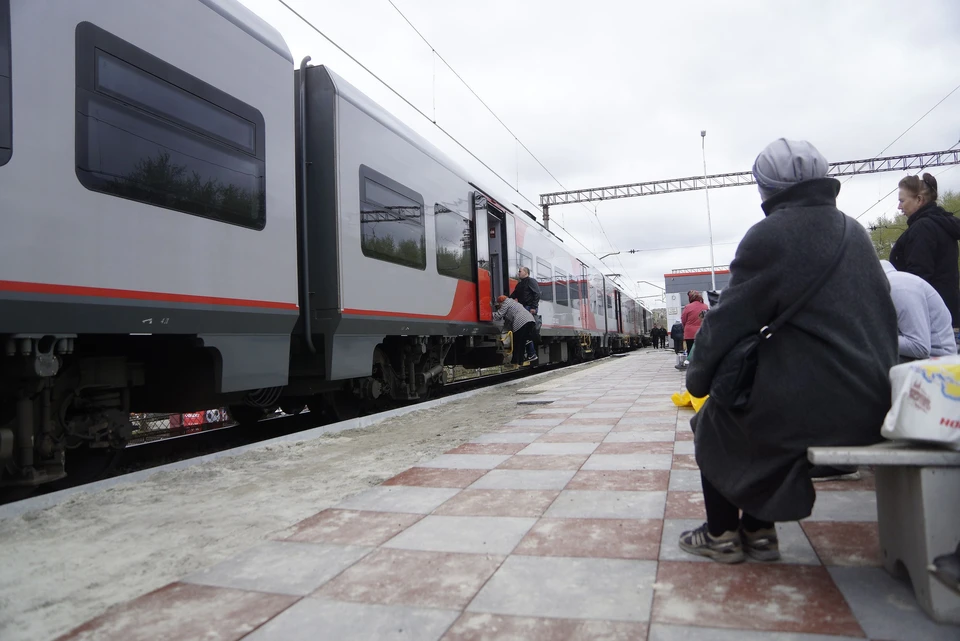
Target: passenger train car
{"x":191,"y":222}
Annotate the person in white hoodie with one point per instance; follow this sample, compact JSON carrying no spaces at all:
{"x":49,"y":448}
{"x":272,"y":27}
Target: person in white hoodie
{"x":923,"y":320}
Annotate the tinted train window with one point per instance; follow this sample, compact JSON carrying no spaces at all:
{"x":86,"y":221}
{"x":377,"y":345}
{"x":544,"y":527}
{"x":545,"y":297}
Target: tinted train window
{"x":391,"y":221}
{"x":150,"y":132}
{"x":454,"y":244}
{"x":6,"y":95}
{"x":545,"y":278}
{"x":562,"y":288}
{"x":526,"y":260}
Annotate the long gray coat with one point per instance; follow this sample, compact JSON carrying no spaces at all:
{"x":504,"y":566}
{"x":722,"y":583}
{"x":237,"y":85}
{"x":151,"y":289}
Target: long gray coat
{"x":821,"y":380}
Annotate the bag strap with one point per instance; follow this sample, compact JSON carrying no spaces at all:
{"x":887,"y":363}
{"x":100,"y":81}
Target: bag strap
{"x":768,"y":330}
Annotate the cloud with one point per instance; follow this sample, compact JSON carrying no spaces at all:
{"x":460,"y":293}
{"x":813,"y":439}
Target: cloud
{"x":612,"y":92}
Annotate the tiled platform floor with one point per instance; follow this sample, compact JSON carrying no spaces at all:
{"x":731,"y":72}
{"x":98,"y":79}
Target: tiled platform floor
{"x":561,"y":525}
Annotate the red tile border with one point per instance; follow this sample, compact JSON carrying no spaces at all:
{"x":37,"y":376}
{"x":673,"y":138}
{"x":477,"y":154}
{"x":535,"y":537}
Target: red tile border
{"x":752,"y":596}
{"x":352,"y":527}
{"x":685,"y":462}
{"x":184,"y":611}
{"x":494,"y":627}
{"x":594,"y":538}
{"x":845,"y":544}
{"x":436,"y":477}
{"x":621,"y":481}
{"x":684,"y":505}
{"x":408,"y":577}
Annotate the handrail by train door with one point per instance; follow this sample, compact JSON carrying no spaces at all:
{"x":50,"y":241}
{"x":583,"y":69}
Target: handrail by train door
{"x":481,"y":249}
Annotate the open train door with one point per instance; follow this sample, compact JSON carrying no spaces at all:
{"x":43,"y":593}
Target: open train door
{"x":481,"y":249}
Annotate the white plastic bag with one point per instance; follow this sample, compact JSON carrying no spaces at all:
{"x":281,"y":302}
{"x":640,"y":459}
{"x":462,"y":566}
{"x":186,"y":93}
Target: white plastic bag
{"x":926,"y":402}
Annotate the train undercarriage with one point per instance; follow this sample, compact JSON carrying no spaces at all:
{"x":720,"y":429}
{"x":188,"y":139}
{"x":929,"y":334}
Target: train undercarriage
{"x":61,"y":393}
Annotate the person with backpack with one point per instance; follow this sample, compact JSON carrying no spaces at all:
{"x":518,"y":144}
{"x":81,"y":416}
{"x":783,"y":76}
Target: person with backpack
{"x":676,"y":333}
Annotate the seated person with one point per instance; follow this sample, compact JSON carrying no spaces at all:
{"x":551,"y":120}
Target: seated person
{"x":517,"y":319}
{"x":923,"y":320}
{"x":821,"y":380}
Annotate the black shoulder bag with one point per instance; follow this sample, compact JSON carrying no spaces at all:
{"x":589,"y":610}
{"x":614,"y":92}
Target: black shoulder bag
{"x":733,"y":381}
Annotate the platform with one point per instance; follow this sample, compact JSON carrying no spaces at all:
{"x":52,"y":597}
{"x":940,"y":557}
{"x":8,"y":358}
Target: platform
{"x":559,"y":524}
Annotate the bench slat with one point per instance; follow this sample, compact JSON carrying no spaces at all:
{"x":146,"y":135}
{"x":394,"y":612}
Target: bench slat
{"x":886,"y":453}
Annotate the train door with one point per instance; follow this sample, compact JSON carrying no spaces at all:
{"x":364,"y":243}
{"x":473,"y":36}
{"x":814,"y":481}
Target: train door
{"x":584,"y":296}
{"x":498,"y":257}
{"x":617,"y":304}
{"x":481,"y":248}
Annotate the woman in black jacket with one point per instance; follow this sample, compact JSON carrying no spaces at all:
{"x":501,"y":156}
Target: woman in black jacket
{"x":821,"y":379}
{"x":928,"y":247}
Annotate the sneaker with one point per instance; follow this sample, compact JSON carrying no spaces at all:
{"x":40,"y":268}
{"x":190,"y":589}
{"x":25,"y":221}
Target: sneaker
{"x":725,"y":548}
{"x":761,"y":545}
{"x":821,"y":473}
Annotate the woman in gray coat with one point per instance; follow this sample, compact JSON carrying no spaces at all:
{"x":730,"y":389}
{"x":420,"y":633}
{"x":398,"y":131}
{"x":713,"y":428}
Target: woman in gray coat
{"x":821,"y":380}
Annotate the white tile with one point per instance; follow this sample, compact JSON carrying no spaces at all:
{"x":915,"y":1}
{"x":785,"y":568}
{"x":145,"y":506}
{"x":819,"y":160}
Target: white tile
{"x":524,"y":480}
{"x":466,"y":534}
{"x":597,"y":504}
{"x":399,"y":498}
{"x":628,"y":462}
{"x":466,"y":461}
{"x":577,"y":588}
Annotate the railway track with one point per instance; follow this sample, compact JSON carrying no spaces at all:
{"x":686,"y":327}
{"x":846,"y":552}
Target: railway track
{"x":88,"y":466}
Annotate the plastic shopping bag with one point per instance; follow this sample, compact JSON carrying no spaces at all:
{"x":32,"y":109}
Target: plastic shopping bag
{"x":926,"y":402}
{"x":683,"y":399}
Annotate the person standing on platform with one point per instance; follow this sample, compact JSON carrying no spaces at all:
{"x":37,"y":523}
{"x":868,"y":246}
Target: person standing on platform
{"x":928,"y":247}
{"x":527,"y":293}
{"x":663,"y":337}
{"x":817,"y":383}
{"x":692,"y":317}
{"x":676,"y":333}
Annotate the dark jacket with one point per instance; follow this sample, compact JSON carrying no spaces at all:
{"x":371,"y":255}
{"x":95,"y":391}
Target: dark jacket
{"x":676,"y":332}
{"x":928,"y":249}
{"x":821,"y":380}
{"x":527,"y":292}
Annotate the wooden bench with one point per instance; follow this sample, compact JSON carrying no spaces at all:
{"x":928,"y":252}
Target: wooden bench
{"x":918,"y":512}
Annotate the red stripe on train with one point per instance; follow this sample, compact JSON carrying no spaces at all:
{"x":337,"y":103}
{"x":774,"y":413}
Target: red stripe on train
{"x":129,"y":294}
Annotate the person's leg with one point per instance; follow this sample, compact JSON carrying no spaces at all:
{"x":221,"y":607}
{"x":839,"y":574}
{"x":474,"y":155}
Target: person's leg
{"x":689,"y":344}
{"x":759,"y":539}
{"x":719,"y":537}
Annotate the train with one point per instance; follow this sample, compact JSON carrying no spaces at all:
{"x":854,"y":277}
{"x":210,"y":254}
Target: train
{"x":191,"y":219}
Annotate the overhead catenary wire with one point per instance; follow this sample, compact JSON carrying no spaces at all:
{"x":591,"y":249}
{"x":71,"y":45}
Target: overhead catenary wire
{"x":424,"y":115}
{"x":905,"y":131}
{"x":500,"y":120}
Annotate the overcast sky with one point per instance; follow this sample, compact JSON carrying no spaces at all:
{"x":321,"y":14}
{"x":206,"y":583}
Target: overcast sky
{"x":609,"y":92}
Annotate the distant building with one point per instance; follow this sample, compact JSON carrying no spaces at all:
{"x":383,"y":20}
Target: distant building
{"x":680,"y":281}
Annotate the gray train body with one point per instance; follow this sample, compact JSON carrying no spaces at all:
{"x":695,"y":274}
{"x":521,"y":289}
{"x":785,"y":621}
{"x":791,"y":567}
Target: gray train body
{"x":191,"y":222}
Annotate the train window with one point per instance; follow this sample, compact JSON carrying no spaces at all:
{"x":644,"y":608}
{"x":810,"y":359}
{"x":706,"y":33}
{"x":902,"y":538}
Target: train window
{"x":150,"y":132}
{"x":562,"y":289}
{"x":526,"y":260}
{"x":609,"y":302}
{"x":391,"y":221}
{"x":6,"y":95}
{"x":545,"y":279}
{"x":454,"y":244}
{"x":574,"y":290}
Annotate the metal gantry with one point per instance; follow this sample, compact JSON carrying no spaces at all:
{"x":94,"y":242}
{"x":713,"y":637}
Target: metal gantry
{"x":906,"y":162}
